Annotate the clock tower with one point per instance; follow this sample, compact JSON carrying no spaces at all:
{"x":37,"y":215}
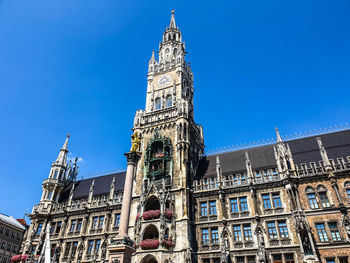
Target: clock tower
{"x":171,"y":146}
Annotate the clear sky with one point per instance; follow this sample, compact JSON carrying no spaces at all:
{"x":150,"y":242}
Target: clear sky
{"x":80,"y":67}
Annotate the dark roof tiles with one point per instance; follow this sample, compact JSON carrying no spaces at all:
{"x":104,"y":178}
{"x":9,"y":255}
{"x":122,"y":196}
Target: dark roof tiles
{"x":102,"y":186}
{"x":304,"y":150}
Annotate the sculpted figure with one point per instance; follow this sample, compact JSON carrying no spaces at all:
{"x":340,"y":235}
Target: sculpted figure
{"x":135,"y":142}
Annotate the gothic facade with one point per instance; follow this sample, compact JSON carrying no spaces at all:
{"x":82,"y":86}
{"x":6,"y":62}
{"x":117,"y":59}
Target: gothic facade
{"x":287,"y":202}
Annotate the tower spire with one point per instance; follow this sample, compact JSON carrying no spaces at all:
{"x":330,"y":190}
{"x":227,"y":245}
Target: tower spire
{"x":279,"y":139}
{"x":172,"y":20}
{"x":62,"y":156}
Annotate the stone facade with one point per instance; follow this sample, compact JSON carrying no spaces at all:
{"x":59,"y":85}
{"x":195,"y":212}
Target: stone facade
{"x":284,"y":202}
{"x":11,"y":236}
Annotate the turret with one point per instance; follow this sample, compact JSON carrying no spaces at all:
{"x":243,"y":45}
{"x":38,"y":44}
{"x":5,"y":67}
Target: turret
{"x":58,"y":176}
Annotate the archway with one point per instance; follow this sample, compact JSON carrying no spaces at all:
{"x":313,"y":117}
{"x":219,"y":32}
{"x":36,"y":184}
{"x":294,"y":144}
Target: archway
{"x":152,"y":203}
{"x":151,"y":232}
{"x":149,"y":259}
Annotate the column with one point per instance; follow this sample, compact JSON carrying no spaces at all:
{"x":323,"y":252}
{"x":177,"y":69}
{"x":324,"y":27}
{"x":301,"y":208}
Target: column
{"x":120,"y":249}
{"x":132,"y":158}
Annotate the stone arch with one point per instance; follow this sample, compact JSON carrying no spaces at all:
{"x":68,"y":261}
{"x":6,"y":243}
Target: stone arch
{"x":149,"y":259}
{"x":150,"y":232}
{"x":152,"y":203}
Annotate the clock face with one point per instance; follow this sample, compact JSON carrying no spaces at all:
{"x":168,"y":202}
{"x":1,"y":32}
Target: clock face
{"x":164,"y":80}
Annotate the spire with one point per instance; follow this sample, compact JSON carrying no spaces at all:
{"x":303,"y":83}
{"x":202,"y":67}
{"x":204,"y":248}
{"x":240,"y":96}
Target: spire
{"x":324,"y":155}
{"x":278,"y":135}
{"x":172,"y":20}
{"x":62,"y":156}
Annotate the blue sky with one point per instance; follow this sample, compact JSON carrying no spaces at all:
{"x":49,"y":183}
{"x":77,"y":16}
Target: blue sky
{"x":80,"y":67}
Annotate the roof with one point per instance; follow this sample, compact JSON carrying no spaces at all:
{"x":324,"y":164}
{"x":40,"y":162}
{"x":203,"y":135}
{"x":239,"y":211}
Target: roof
{"x":102,"y":186}
{"x":11,"y":221}
{"x":23,"y":222}
{"x":304,"y":150}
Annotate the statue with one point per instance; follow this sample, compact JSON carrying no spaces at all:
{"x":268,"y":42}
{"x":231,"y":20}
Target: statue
{"x":135,"y":142}
{"x":307,"y":246}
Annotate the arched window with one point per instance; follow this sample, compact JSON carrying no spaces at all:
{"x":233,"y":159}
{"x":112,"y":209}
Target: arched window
{"x":157,"y":104}
{"x":311,"y":195}
{"x":347,"y":189}
{"x":322,"y":194}
{"x":55,"y":175}
{"x":169,"y":101}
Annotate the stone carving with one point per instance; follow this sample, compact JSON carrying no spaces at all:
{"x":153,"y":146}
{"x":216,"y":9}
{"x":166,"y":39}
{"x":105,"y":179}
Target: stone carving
{"x":259,"y":231}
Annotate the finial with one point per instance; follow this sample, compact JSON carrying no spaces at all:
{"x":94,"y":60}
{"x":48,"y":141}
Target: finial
{"x":172,"y":20}
{"x":68,"y":135}
{"x":278,"y":135}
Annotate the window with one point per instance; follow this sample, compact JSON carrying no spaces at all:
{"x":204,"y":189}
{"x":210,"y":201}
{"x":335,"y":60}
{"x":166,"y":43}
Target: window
{"x":214,"y":236}
{"x":68,"y":246}
{"x":322,"y":232}
{"x":312,"y":201}
{"x":13,"y":233}
{"x":247,"y":232}
{"x":205,"y":236}
{"x":18,"y":236}
{"x":330,"y":260}
{"x":282,"y":226}
{"x":237,"y":233}
{"x":3,"y":245}
{"x":33,"y":249}
{"x":73,"y":225}
{"x":216,"y":260}
{"x":101,"y":220}
{"x":94,"y":223}
{"x":1,"y":229}
{"x":289,"y":258}
{"x":347,"y":188}
{"x":58,"y":227}
{"x":74,"y":248}
{"x":90,"y":246}
{"x":240,"y":259}
{"x":97,"y":246}
{"x":38,"y":230}
{"x":117,"y":220}
{"x":206,"y":260}
{"x":9,"y":246}
{"x":204,"y":209}
{"x":212,"y":207}
{"x":234,"y":205}
{"x":14,"y":249}
{"x":277,"y":258}
{"x":272,"y":230}
{"x":7,"y":231}
{"x":251,"y":259}
{"x":52,"y":227}
{"x":266,"y":201}
{"x":169,"y":101}
{"x":276,"y":200}
{"x":157,"y":104}
{"x":334,"y":231}
{"x":343,"y":260}
{"x":322,"y":193}
{"x":243,"y":204}
{"x":80,"y":222}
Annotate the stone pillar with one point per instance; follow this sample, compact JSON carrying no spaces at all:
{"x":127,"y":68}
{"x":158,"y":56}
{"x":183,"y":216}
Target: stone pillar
{"x":132,"y":158}
{"x":121,"y":249}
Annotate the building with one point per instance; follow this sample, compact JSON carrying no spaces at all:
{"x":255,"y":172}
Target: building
{"x":286,"y":201}
{"x":11,"y":235}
